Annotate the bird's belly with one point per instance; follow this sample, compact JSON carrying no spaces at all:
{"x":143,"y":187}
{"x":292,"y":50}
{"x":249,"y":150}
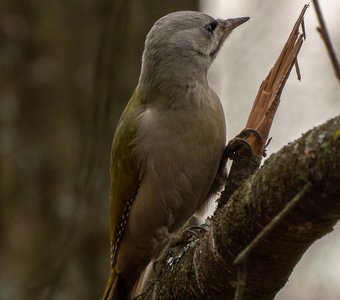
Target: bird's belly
{"x":180,"y":153}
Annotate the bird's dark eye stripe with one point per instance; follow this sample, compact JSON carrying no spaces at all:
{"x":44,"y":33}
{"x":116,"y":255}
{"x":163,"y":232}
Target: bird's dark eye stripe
{"x":211,"y":26}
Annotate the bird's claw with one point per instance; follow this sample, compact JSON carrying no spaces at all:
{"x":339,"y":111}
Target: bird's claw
{"x":240,"y":146}
{"x":246,"y":132}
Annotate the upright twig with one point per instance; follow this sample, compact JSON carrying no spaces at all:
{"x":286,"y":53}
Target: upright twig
{"x":268,"y":96}
{"x":264,"y":108}
{"x":322,"y":29}
{"x":260,"y":119}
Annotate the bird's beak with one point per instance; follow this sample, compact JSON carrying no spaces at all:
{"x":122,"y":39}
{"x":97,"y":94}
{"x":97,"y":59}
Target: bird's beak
{"x":231,"y":24}
{"x":226,"y":27}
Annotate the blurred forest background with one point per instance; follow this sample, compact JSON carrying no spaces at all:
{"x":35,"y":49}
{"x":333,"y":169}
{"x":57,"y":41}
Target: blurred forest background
{"x":67,"y":70}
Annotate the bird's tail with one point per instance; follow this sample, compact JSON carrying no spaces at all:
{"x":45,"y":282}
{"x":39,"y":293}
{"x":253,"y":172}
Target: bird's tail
{"x":115,"y":288}
{"x":111,"y":292}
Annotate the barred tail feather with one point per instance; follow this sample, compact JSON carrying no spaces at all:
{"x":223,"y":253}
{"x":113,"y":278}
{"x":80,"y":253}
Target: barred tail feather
{"x":111,"y":286}
{"x":115,"y":288}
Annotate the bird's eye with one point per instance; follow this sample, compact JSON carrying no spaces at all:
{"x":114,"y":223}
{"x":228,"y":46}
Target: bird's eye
{"x":211,"y":26}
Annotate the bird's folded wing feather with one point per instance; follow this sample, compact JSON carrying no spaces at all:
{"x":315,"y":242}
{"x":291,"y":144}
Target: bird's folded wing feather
{"x":124,"y":173}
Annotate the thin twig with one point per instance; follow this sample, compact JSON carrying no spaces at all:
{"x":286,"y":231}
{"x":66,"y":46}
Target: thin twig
{"x":322,"y":29}
{"x":297,"y":69}
{"x":241,"y":280}
{"x":303,"y":28}
{"x":270,"y":227}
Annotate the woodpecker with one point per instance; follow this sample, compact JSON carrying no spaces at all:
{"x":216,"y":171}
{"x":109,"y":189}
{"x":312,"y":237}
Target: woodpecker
{"x":168,"y":144}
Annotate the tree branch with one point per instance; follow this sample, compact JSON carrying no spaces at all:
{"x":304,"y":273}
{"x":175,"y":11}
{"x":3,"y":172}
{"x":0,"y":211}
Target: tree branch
{"x":268,"y":96}
{"x":270,"y":218}
{"x":203,"y":268}
{"x":322,"y":29}
{"x":263,"y":111}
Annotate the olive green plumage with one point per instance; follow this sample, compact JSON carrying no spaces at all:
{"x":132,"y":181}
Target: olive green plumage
{"x":167,"y":146}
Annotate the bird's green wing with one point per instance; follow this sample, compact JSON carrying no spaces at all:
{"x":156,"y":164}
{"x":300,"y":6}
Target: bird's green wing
{"x":124,"y":173}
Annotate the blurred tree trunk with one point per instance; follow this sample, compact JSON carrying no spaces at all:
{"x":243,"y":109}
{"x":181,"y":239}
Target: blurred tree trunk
{"x":68,"y":69}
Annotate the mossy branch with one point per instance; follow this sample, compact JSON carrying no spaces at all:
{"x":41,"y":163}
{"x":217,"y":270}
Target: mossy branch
{"x":203,"y":267}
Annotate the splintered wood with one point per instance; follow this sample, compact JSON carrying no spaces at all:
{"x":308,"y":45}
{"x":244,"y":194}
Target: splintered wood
{"x":268,"y":97}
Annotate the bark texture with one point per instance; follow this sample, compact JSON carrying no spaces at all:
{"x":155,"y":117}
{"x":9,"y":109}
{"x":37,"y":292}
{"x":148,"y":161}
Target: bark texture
{"x":203,"y":267}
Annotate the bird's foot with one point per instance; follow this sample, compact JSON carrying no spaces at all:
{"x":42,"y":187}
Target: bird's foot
{"x":239,"y":145}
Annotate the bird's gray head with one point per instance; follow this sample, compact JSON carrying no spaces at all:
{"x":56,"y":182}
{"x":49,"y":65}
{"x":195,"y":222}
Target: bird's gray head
{"x":181,"y":46}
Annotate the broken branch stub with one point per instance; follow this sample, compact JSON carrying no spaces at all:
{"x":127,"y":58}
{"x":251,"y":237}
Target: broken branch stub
{"x":268,"y":97}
